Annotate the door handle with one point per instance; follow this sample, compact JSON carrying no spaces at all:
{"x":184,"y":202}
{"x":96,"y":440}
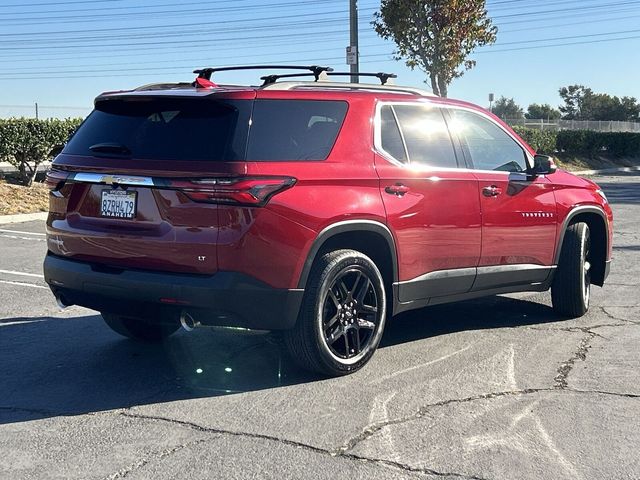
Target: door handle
{"x":398,"y":189}
{"x":491,"y":191}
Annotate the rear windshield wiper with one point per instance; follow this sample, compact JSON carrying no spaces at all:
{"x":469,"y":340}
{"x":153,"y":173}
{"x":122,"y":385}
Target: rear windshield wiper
{"x":114,"y":148}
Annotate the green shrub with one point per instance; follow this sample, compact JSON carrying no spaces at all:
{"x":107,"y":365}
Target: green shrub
{"x":26,"y":142}
{"x":622,"y":144}
{"x":586,"y":142}
{"x":542,"y":141}
{"x":582,"y":142}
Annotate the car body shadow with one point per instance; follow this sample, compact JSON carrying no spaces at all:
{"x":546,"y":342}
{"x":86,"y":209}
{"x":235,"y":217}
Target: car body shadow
{"x":67,"y":366}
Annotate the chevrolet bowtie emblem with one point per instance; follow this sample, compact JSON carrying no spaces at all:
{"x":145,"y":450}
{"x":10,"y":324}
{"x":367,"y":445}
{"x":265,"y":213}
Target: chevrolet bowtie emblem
{"x":113,"y":179}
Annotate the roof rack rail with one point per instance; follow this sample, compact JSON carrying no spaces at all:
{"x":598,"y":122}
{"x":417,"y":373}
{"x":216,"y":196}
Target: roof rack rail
{"x":348,"y":86}
{"x":161,"y":86}
{"x":315,"y":70}
{"x":382,"y":76}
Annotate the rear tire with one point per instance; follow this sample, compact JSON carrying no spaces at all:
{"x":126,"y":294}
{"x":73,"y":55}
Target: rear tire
{"x":342,"y":315}
{"x":138,"y":328}
{"x":571,"y":287}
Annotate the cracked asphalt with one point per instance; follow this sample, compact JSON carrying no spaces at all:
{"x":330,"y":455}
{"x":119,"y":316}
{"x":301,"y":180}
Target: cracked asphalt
{"x":497,"y":388}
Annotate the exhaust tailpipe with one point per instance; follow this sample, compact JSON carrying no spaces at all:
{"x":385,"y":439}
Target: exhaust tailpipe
{"x":62,"y":302}
{"x":188,"y":322}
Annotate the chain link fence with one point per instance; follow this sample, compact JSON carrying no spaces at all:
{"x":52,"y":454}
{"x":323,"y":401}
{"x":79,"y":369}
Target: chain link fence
{"x":43,"y":111}
{"x":595,"y":125}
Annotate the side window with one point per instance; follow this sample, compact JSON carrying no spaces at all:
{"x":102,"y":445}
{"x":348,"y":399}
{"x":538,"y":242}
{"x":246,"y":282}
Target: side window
{"x":426,"y":135}
{"x":390,"y":134}
{"x":294,"y":129}
{"x":491,"y":148}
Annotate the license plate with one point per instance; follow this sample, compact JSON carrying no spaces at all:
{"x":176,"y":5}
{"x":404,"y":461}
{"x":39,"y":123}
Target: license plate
{"x":118,"y":204}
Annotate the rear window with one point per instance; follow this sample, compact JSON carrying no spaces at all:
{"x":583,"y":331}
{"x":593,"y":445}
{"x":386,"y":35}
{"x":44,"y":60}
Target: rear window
{"x":294,"y":129}
{"x":184,"y":129}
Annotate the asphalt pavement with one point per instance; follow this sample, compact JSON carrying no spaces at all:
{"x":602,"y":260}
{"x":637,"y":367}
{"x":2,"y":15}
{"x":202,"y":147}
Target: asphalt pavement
{"x":496,"y":388}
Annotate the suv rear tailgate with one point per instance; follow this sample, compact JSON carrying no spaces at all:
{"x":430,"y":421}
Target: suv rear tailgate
{"x":119,"y":205}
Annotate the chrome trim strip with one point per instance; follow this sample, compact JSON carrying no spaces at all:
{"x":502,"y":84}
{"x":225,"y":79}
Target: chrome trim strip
{"x":441,"y":274}
{"x":112,"y":179}
{"x":461,"y":272}
{"x":512,"y":268}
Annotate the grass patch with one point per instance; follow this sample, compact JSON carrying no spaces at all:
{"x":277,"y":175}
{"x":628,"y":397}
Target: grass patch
{"x":18,"y":199}
{"x":576,"y":163}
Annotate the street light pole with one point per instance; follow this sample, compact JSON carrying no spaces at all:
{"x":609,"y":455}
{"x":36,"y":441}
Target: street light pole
{"x":353,"y":22}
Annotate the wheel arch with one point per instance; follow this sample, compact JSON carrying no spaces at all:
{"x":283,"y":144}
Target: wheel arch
{"x":596,"y":219}
{"x":372,"y":238}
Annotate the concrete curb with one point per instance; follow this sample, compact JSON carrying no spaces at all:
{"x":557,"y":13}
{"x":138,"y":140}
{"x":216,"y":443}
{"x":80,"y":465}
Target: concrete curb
{"x":607,"y":170}
{"x":22,"y":217}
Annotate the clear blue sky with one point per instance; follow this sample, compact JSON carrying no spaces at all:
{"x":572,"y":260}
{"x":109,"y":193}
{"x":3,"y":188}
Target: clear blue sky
{"x":62,"y":53}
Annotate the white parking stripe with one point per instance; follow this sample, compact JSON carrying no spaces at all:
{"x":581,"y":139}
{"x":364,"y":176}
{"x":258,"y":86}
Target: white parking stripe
{"x":23,"y":233}
{"x":22,"y":284}
{"x":15,"y":237}
{"x":24,"y":274}
{"x":7,"y":324}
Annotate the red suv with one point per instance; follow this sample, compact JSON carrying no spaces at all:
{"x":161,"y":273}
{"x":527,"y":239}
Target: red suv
{"x":314,"y":207}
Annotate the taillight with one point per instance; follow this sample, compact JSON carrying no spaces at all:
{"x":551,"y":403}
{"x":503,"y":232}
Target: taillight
{"x":54,"y":179}
{"x":251,"y":191}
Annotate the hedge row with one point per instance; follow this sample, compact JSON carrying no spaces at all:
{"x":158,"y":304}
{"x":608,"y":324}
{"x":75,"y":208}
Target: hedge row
{"x":26,"y":142}
{"x":582,"y":142}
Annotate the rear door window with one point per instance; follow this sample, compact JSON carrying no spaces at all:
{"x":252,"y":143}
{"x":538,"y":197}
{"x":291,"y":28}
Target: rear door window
{"x":157,"y":129}
{"x":390,"y":136}
{"x":426,"y":135}
{"x":294,"y":129}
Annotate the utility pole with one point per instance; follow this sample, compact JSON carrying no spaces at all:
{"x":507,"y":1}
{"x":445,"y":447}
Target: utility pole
{"x":353,"y":21}
{"x":36,"y":110}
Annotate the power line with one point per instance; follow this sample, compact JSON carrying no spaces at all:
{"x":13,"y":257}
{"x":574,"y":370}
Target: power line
{"x":329,"y":59}
{"x":200,"y":12}
{"x":603,"y":40}
{"x":129,"y":7}
{"x":21,"y":5}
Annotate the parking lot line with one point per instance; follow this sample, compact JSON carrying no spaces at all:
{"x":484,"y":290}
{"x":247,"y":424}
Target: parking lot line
{"x":16,"y":237}
{"x":24,"y":274}
{"x":23,"y":284}
{"x":21,"y":232}
{"x":21,"y":322}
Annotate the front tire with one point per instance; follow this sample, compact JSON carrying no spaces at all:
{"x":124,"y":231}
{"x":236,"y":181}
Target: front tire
{"x":571,"y":287}
{"x":342,"y":315}
{"x":138,"y":328}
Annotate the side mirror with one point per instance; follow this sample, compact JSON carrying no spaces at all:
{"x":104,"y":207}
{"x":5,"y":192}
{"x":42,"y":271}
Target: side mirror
{"x":543,"y":165}
{"x":56,"y":150}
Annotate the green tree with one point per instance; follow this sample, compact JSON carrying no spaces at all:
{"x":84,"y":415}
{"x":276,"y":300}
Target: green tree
{"x":631,"y":108}
{"x":507,"y":108}
{"x":26,"y":142}
{"x":581,"y":103}
{"x":436,"y":36}
{"x":574,"y":101}
{"x":544,"y":111}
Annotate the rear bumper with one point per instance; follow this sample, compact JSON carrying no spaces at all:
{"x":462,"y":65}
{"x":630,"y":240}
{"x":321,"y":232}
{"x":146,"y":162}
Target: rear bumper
{"x":223,"y":299}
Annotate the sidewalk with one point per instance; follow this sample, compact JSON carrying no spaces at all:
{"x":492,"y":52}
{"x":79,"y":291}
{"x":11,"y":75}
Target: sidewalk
{"x":6,"y":167}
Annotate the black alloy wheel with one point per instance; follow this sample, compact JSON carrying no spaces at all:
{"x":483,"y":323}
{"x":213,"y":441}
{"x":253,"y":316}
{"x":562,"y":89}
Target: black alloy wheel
{"x":571,"y":287}
{"x":350,"y":314}
{"x":342,"y":316}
